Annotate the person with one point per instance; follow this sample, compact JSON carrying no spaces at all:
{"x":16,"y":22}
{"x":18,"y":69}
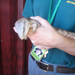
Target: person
{"x":60,"y":59}
{"x":38,"y":52}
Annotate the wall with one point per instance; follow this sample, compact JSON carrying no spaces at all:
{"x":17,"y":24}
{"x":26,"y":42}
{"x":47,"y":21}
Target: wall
{"x":13,"y":51}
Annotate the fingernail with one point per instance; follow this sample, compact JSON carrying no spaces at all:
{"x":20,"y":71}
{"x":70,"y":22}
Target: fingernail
{"x":32,"y":17}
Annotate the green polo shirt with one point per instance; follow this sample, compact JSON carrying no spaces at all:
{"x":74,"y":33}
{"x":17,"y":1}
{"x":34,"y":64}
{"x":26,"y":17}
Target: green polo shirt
{"x":64,"y":19}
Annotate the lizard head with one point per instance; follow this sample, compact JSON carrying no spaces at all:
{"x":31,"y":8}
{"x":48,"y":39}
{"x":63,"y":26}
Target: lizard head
{"x":24,"y":26}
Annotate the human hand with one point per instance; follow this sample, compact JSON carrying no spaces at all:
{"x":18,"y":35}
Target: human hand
{"x":45,"y":36}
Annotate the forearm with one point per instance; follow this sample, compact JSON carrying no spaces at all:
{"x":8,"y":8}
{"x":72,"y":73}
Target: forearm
{"x":66,"y":44}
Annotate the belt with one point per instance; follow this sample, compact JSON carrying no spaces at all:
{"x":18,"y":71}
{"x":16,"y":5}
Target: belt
{"x":59,"y":69}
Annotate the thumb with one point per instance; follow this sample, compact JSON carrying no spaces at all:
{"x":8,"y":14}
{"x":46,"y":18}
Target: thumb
{"x":39,"y":19}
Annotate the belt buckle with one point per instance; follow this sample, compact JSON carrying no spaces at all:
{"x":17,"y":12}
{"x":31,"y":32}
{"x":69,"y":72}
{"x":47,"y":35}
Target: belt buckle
{"x":46,"y":66}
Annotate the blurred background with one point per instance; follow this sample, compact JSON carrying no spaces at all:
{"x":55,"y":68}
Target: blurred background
{"x":13,"y":51}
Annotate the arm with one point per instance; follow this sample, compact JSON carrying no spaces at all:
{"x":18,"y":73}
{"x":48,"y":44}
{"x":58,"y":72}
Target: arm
{"x":67,"y":45}
{"x":47,"y":37}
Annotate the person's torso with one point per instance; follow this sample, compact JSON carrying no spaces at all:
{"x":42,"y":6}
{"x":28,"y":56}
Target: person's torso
{"x":64,"y":19}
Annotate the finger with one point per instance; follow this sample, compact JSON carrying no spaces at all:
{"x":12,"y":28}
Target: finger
{"x":38,"y":18}
{"x":43,"y":47}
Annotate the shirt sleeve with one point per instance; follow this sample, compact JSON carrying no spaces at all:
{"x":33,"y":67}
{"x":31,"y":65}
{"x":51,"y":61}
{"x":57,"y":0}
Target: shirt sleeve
{"x":28,"y":9}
